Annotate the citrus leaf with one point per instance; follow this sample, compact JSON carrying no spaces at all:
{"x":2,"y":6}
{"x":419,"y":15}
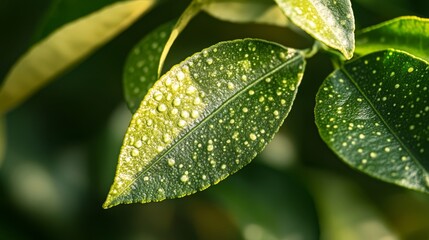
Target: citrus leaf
{"x":330,"y":22}
{"x":205,"y":119}
{"x":410,"y":34}
{"x":245,"y":11}
{"x":374,"y":113}
{"x":66,"y":47}
{"x":141,"y":68}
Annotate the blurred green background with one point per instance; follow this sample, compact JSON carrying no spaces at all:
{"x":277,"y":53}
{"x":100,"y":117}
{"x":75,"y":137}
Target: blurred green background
{"x":62,"y":147}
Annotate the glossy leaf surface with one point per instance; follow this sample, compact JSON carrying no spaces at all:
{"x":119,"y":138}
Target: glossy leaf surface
{"x":330,"y":22}
{"x":141,"y":68}
{"x":66,"y":47}
{"x":374,"y":114}
{"x":205,"y":119}
{"x":410,"y":34}
{"x":247,"y":11}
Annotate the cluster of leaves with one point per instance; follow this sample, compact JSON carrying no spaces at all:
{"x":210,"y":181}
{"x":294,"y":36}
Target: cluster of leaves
{"x":211,"y":114}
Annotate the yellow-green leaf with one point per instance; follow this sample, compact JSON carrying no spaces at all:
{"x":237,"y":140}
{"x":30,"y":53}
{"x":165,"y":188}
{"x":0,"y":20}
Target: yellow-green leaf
{"x":330,"y":22}
{"x":245,"y":11}
{"x":205,"y":119}
{"x":66,"y":47}
{"x":410,"y":34}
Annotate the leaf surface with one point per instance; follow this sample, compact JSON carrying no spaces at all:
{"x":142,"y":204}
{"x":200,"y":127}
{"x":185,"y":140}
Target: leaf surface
{"x":141,"y":68}
{"x":247,"y":11}
{"x":410,"y":34}
{"x":66,"y":47}
{"x":330,"y":22}
{"x":374,"y":114}
{"x":205,"y":119}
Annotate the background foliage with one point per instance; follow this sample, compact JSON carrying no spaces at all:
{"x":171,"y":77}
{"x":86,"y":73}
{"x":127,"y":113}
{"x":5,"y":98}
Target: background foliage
{"x":63,"y":143}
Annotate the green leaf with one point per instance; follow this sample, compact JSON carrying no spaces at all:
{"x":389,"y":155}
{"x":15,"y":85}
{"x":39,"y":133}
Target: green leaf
{"x":205,"y":119}
{"x":245,"y":11}
{"x":141,"y":68}
{"x":374,"y":114}
{"x":66,"y":47}
{"x":410,"y":34}
{"x":330,"y":22}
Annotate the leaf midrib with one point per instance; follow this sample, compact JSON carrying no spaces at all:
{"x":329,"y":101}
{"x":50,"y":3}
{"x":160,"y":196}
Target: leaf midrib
{"x":413,"y":157}
{"x":212,"y":114}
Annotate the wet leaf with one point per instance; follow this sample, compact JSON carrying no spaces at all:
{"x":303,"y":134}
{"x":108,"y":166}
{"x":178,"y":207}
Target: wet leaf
{"x":66,"y":47}
{"x":141,"y":68}
{"x":410,"y":34}
{"x":245,"y":11}
{"x":374,"y":114}
{"x":205,"y":119}
{"x":330,"y":22}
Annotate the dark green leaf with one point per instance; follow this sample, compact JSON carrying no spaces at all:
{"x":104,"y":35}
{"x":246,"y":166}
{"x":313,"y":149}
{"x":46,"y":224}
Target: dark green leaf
{"x":330,"y":22}
{"x":410,"y":34}
{"x":141,"y":68}
{"x":205,"y":119}
{"x":374,"y":113}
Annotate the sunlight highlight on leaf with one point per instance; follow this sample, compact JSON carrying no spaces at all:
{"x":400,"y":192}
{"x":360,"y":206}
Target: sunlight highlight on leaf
{"x":65,"y":48}
{"x":205,"y":119}
{"x":329,"y":21}
{"x":374,"y":113}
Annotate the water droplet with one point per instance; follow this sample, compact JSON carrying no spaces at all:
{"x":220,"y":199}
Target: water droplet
{"x":209,"y":61}
{"x":184,"y":114}
{"x":251,"y":92}
{"x":191,"y":90}
{"x":180,"y":75}
{"x":292,"y":87}
{"x":171,"y":162}
{"x":162,"y":107}
{"x":410,"y":70}
{"x":166,"y":138}
{"x":177,"y":101}
{"x":184,"y":178}
{"x":244,"y":78}
{"x":361,"y":136}
{"x":231,"y":86}
{"x":197,"y":101}
{"x":373,"y":155}
{"x":146,"y":178}
{"x":138,"y":144}
{"x":181,"y":123}
{"x":134,"y":152}
{"x":387,"y":149}
{"x":252,"y":136}
{"x":397,"y":85}
{"x":157,"y":96}
{"x":245,"y":109}
{"x":276,"y":113}
{"x":204,"y":177}
{"x":223,"y":166}
{"x":159,"y":149}
{"x":210,"y":147}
